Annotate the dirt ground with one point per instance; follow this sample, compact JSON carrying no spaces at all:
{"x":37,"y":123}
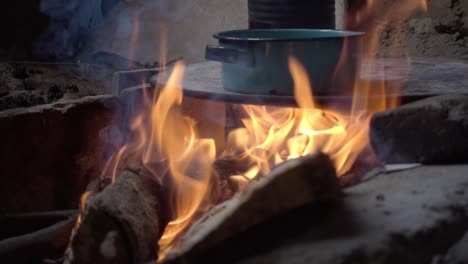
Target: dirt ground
{"x":441,"y":31}
{"x":25,"y":84}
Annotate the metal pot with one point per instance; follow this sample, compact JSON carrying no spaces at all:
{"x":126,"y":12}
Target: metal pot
{"x":292,"y":14}
{"x":256,"y":61}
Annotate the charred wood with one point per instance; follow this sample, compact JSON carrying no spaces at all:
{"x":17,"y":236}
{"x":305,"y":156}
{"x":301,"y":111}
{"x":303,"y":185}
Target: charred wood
{"x":431,"y":131}
{"x":123,"y":223}
{"x":292,"y":184}
{"x":19,"y":224}
{"x":456,"y":255}
{"x":37,"y":236}
{"x":41,"y":244}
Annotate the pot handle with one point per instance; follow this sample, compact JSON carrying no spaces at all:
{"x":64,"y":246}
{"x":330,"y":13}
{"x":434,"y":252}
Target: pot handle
{"x":229,"y":55}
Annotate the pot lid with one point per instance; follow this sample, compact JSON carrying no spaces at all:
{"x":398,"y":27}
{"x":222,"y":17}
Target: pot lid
{"x":204,"y":81}
{"x":258,"y":35}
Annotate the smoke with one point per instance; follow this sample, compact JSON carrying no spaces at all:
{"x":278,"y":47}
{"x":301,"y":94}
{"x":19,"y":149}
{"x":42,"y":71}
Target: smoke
{"x":94,"y":31}
{"x":73,"y":22}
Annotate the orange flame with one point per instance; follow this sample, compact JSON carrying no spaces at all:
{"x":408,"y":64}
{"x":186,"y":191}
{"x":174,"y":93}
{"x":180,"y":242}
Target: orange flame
{"x":189,"y":158}
{"x":275,"y":134}
{"x":162,"y":134}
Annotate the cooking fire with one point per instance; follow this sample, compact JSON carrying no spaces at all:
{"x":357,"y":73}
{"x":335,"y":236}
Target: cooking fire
{"x":314,"y":136}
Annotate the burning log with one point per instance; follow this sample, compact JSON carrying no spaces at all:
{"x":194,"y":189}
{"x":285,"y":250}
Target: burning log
{"x":292,"y":184}
{"x":429,"y":131}
{"x":123,"y":223}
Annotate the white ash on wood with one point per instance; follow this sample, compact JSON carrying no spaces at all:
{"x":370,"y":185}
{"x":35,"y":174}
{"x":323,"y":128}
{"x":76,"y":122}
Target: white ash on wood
{"x":406,"y":217}
{"x":434,"y":130}
{"x":293,"y":184}
{"x":123,"y":223}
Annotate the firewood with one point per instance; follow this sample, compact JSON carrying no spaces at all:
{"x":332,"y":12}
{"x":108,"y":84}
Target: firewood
{"x":227,"y":166}
{"x":430,"y":131}
{"x":20,"y":224}
{"x":32,"y":247}
{"x":51,"y":234}
{"x":123,"y":223}
{"x":292,"y":184}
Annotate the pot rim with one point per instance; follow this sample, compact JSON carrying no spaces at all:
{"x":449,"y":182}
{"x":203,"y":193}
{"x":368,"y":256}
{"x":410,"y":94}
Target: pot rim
{"x":323,"y":34}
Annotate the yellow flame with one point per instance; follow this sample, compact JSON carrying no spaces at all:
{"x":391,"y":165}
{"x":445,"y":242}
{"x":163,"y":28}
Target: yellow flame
{"x":190,"y":158}
{"x":83,"y":200}
{"x":287,"y":133}
{"x":275,"y":134}
{"x":162,"y":133}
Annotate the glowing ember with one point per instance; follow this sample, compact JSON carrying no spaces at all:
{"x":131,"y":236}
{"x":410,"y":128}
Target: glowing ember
{"x":162,"y":134}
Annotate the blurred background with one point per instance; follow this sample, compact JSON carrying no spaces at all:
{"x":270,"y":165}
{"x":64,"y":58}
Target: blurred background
{"x":64,"y":30}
